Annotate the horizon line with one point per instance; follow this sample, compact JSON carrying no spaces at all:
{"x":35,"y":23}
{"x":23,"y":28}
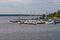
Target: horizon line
{"x":20,"y":15}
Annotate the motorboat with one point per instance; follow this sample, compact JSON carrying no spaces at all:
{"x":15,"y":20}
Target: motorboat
{"x":50,"y":21}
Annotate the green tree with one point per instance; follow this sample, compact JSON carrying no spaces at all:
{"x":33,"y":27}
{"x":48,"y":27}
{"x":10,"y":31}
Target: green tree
{"x":43,"y":16}
{"x":54,"y":14}
{"x":58,"y":13}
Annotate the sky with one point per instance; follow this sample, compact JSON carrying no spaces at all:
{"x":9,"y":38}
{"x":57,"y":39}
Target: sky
{"x":29,"y":6}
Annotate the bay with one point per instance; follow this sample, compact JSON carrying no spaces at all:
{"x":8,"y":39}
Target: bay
{"x":15,"y":31}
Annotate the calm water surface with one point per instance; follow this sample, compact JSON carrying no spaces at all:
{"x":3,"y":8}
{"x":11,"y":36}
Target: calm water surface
{"x":15,"y":31}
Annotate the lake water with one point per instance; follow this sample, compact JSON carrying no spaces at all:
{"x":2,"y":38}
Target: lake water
{"x":15,"y":31}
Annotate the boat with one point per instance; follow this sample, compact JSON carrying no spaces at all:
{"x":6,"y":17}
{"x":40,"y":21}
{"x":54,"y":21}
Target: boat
{"x":34,"y":23}
{"x":14,"y":21}
{"x":40,"y":22}
{"x":49,"y":21}
{"x":30,"y":22}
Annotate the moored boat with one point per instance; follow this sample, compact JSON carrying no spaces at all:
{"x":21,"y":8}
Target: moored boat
{"x":49,"y":21}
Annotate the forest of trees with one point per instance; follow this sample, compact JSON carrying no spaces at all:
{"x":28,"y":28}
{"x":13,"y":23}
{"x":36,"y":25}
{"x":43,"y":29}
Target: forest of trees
{"x":51,"y":15}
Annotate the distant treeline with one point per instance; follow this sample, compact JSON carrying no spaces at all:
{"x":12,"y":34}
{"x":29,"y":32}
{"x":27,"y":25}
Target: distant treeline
{"x":51,"y":15}
{"x":19,"y":15}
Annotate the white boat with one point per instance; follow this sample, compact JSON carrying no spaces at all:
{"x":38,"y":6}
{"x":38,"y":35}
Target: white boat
{"x":19,"y":22}
{"x":34,"y":23}
{"x":49,"y":22}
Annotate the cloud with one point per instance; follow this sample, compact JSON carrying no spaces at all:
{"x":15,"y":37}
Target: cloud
{"x":21,"y":1}
{"x":56,"y":1}
{"x":29,"y":6}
